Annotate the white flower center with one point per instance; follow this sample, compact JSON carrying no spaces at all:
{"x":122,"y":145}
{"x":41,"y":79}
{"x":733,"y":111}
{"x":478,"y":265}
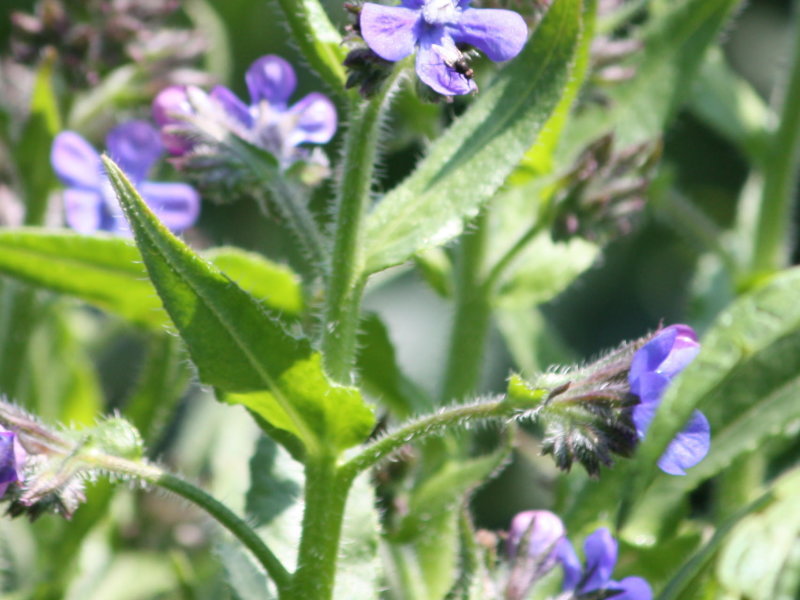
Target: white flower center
{"x":440,"y":12}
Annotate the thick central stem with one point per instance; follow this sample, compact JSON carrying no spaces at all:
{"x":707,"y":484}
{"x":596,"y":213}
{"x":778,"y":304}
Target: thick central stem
{"x":325,"y":498}
{"x":345,"y":281}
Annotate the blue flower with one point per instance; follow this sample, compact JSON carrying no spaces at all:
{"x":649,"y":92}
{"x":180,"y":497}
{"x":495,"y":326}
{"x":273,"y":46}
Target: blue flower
{"x":188,"y":117}
{"x":90,"y":204}
{"x":653,"y":367}
{"x":12,"y":459}
{"x":600,"y":551}
{"x":435,"y":28}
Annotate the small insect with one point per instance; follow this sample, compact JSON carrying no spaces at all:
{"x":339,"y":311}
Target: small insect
{"x":461,"y":66}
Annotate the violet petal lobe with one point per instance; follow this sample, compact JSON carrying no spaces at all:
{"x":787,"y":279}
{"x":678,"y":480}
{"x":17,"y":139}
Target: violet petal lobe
{"x":271,"y":78}
{"x":135,"y":146}
{"x":75,"y":162}
{"x":687,"y":448}
{"x":633,"y":588}
{"x":8,"y":463}
{"x":543,"y":530}
{"x":500,"y":34}
{"x":436,"y":71}
{"x":177,"y":205}
{"x":83,"y":209}
{"x":390,"y":31}
{"x":167,"y":106}
{"x":600,"y":549}
{"x":316,"y":120}
{"x":570,"y":563}
{"x":232,"y":105}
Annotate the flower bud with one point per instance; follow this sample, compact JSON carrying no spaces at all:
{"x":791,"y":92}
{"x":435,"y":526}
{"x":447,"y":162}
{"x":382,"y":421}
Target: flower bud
{"x":533,"y":546}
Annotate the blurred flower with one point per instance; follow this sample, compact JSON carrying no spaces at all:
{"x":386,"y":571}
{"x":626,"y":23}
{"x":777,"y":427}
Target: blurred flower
{"x":600,"y":551}
{"x":604,"y":192}
{"x":89,"y":201}
{"x":535,"y":543}
{"x":436,"y":29}
{"x":268,"y":122}
{"x":12,"y":459}
{"x":92,"y":38}
{"x":653,"y":366}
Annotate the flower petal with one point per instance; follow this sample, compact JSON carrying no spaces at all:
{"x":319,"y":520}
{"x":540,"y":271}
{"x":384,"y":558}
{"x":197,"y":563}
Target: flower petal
{"x":8,"y":463}
{"x":270,"y":78}
{"x":499,"y":34}
{"x":75,"y":162}
{"x":83,"y":210}
{"x":434,"y":70}
{"x":390,"y":31}
{"x":176,"y":204}
{"x":632,"y":588}
{"x":689,"y":447}
{"x":570,"y":563}
{"x":135,"y":146}
{"x":316,"y":120}
{"x":232,"y":105}
{"x":167,"y":105}
{"x":600,"y":549}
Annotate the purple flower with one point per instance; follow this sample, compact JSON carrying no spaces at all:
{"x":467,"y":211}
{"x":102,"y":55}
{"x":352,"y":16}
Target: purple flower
{"x":544,"y":535}
{"x":653,"y":366}
{"x":188,"y":117}
{"x":435,"y":28}
{"x":89,"y":201}
{"x":12,"y":459}
{"x":600,"y":551}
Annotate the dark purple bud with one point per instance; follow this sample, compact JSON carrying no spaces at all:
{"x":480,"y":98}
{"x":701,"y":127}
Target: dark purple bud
{"x":12,"y":459}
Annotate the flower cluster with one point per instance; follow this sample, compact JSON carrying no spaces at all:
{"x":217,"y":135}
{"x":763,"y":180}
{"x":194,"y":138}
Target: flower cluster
{"x":439,"y":30}
{"x":537,"y":543}
{"x":195,"y":124}
{"x":89,"y":201}
{"x":606,"y":407}
{"x":653,"y":367}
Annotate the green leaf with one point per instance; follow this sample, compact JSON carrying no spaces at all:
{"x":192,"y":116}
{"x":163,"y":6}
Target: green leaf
{"x":33,"y":150}
{"x":746,"y":380}
{"x":246,"y":581}
{"x":380,"y":374}
{"x":675,"y":42}
{"x":102,"y":270}
{"x":107,"y":272}
{"x":238,"y":346}
{"x":467,"y":165}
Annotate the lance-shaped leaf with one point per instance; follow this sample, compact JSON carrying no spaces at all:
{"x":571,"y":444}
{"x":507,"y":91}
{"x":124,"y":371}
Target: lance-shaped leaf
{"x":467,"y":165}
{"x":238,"y":346}
{"x":107,"y":271}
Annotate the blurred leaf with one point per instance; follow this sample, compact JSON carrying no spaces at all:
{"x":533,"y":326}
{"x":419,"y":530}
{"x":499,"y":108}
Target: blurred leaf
{"x":277,"y":285}
{"x":246,"y":580}
{"x":446,"y":488}
{"x":467,"y":164}
{"x":107,"y":272}
{"x":758,"y":551}
{"x":272,"y":491}
{"x":33,"y":150}
{"x":237,"y":345}
{"x":746,"y":379}
{"x":380,"y":374}
{"x":675,"y":41}
{"x":544,"y":270}
{"x":730,"y":105}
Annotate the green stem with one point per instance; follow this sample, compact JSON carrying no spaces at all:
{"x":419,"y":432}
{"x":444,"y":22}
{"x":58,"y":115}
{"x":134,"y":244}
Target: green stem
{"x":325,"y":498}
{"x":317,"y":38}
{"x":431,"y":425}
{"x":225,"y":516}
{"x":773,"y":231}
{"x":512,"y":253}
{"x":471,"y":320}
{"x":345,"y":284}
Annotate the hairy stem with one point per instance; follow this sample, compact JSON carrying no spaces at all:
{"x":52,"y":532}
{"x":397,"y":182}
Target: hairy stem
{"x":345,"y":283}
{"x":225,"y":516}
{"x":774,"y":231}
